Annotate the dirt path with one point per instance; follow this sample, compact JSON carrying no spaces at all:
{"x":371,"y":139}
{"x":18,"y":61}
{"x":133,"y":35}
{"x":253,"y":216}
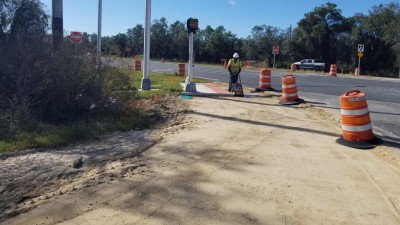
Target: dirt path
{"x":232,"y":161}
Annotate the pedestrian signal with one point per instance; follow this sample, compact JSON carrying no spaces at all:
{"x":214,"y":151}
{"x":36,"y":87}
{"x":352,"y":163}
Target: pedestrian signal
{"x":192,"y":25}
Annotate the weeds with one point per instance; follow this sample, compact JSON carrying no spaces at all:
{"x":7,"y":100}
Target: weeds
{"x":119,"y":112}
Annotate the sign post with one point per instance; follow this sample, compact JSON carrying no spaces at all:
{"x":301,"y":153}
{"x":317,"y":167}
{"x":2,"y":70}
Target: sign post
{"x":275,"y":51}
{"x":128,"y":50}
{"x":360,"y":54}
{"x":192,"y":26}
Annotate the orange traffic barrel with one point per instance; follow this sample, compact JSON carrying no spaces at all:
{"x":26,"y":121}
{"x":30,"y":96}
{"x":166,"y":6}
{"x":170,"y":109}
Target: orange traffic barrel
{"x":293,"y":67}
{"x":181,"y":69}
{"x":138,"y":65}
{"x":332,"y":71}
{"x":289,"y":91}
{"x":356,"y":123}
{"x":265,"y":79}
{"x":356,"y":71}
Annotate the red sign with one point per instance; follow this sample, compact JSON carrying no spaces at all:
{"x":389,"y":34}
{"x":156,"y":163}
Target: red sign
{"x":275,"y":50}
{"x":75,"y":37}
{"x":128,"y":49}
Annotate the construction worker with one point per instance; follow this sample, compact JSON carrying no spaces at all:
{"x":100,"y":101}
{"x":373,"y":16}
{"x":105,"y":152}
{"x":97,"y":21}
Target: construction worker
{"x":234,"y":68}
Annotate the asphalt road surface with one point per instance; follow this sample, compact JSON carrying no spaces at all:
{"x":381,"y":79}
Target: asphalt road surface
{"x":322,"y":90}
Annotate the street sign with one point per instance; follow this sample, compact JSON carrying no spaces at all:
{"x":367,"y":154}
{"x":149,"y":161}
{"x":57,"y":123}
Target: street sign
{"x":360,"y":48}
{"x":275,"y":49}
{"x":75,"y":37}
{"x":360,"y":54}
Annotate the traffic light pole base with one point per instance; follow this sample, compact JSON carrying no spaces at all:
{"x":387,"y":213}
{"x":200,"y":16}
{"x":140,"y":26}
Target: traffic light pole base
{"x":190,"y":87}
{"x":145,"y":84}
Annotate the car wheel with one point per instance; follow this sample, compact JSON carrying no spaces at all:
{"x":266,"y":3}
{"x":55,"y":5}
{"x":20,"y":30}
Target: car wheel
{"x":317,"y":68}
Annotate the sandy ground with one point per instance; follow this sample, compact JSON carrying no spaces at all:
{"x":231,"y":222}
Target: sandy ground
{"x":228,"y":161}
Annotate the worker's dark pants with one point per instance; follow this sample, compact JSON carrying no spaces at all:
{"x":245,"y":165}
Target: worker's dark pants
{"x":232,"y":80}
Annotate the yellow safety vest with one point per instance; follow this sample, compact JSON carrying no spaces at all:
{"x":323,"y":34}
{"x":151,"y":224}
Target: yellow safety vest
{"x":234,"y":66}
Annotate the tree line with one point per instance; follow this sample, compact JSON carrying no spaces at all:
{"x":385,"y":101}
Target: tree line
{"x":324,"y":33}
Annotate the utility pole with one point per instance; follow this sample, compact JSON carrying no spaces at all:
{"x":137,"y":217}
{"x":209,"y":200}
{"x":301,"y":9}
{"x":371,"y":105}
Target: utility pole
{"x":57,"y":23}
{"x":145,"y":85}
{"x":98,"y":59}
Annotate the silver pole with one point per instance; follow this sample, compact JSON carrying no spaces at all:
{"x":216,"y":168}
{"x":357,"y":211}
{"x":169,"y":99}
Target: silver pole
{"x":146,"y":54}
{"x":99,"y":34}
{"x":359,"y":64}
{"x":274,"y":61}
{"x":190,"y":57}
{"x":190,"y":86}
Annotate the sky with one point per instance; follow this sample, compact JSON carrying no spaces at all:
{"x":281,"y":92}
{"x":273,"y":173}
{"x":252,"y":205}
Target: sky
{"x":237,"y":16}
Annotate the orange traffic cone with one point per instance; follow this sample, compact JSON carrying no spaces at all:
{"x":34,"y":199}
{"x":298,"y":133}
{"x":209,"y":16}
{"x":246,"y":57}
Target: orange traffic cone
{"x":265,"y":80}
{"x":356,"y":122}
{"x":162,"y":60}
{"x":289,"y":91}
{"x":225,"y":64}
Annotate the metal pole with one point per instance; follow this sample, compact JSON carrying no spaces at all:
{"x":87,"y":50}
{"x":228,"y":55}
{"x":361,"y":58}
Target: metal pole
{"x":274,"y":61}
{"x":146,"y":54}
{"x":190,"y":56}
{"x":190,"y":86}
{"x":359,"y":64}
{"x":99,"y":34}
{"x":57,"y":23}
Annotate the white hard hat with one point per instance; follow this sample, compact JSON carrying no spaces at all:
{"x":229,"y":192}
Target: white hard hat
{"x":236,"y":55}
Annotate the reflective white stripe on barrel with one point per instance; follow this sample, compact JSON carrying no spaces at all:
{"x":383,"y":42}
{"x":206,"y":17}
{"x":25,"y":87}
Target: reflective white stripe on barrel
{"x":288,"y":86}
{"x":289,"y":95}
{"x":357,"y":128}
{"x":265,"y":83}
{"x":358,"y":112}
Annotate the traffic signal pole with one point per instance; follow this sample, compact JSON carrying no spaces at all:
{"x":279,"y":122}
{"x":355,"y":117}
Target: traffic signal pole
{"x":145,"y":85}
{"x":192,"y":26}
{"x":190,"y":70}
{"x":190,"y":86}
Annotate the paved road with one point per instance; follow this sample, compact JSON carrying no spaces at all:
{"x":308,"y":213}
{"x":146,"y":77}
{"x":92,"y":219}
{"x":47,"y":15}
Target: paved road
{"x":323,"y":91}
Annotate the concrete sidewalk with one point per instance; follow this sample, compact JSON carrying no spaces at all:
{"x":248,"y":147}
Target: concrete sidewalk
{"x":206,"y":89}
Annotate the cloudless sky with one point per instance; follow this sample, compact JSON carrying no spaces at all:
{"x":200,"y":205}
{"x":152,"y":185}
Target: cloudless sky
{"x":237,"y":16}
